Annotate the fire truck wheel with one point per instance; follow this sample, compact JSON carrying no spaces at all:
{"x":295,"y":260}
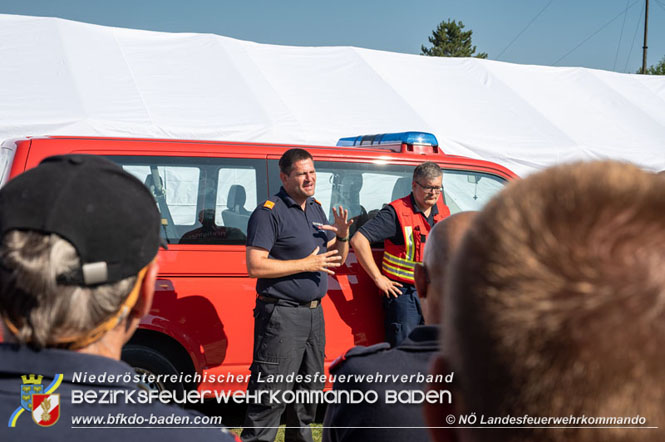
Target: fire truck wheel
{"x":149,"y":361}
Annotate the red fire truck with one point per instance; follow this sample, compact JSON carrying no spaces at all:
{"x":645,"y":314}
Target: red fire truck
{"x":201,"y":321}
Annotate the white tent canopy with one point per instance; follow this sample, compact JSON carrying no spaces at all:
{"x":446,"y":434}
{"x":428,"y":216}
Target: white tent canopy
{"x":59,"y":77}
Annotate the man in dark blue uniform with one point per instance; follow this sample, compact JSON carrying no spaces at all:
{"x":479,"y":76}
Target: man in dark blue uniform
{"x":361,"y":422}
{"x":78,"y":244}
{"x":291,"y":250}
{"x":403,"y":225}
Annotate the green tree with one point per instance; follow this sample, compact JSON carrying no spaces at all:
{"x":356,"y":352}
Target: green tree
{"x":450,"y":40}
{"x":658,"y":69}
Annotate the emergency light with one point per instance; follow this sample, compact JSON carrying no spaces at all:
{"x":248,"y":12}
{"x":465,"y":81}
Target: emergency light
{"x":415,"y":142}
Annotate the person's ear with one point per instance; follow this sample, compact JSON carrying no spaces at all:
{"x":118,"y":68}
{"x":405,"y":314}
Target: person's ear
{"x":421,"y":280}
{"x":437,"y":414}
{"x":147,"y":291}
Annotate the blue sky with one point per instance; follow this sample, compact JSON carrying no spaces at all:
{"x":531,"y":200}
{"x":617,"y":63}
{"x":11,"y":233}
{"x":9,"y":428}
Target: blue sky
{"x":588,"y":33}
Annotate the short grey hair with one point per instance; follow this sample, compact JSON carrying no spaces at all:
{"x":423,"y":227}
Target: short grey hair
{"x":427,"y":170}
{"x":42,"y":311}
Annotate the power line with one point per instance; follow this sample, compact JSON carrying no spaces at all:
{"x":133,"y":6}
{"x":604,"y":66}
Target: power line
{"x":637,"y":27}
{"x":525,"y":28}
{"x":616,"y":57}
{"x":596,"y":32}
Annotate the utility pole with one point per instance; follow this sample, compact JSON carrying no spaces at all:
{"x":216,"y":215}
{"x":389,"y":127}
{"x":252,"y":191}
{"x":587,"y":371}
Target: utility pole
{"x":644,"y":48}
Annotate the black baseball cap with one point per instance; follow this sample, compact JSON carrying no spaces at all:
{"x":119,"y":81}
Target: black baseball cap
{"x":107,"y":214}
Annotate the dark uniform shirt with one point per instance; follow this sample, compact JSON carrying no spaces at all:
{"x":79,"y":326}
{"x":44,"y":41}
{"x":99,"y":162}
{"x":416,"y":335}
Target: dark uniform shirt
{"x":385,"y":224}
{"x":411,"y":357}
{"x":288,"y":232}
{"x":17,"y":361}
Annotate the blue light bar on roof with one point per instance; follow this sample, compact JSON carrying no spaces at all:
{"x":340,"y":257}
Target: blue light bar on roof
{"x":394,"y":138}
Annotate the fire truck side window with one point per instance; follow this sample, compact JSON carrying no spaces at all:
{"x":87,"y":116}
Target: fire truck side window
{"x":201,"y":200}
{"x":465,"y":190}
{"x":177,"y":185}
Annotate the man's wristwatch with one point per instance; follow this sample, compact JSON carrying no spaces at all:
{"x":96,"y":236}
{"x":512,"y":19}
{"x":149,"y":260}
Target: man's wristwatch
{"x":345,"y":239}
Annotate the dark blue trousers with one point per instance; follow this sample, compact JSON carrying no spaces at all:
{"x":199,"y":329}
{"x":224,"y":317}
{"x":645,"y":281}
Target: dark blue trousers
{"x":402,"y":314}
{"x":287,"y":340}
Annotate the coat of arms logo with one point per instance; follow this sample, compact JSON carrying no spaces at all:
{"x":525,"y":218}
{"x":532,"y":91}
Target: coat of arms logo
{"x":39,"y":401}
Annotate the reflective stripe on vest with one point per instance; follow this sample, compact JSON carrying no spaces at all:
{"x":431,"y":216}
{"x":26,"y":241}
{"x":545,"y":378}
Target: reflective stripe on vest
{"x":396,"y":273}
{"x":397,"y":261}
{"x":398,"y":268}
{"x":409,"y":243}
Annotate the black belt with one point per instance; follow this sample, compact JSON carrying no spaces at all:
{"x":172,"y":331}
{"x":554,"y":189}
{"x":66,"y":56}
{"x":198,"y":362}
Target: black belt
{"x":269,"y":299}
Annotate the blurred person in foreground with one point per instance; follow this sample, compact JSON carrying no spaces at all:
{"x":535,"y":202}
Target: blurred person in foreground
{"x":78,"y":245}
{"x":555,"y":308}
{"x":363,"y":421}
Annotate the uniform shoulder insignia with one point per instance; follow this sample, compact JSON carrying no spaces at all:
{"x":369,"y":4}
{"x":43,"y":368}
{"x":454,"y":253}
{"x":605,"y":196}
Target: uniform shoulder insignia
{"x":359,"y":350}
{"x":269,"y":204}
{"x":316,"y":201}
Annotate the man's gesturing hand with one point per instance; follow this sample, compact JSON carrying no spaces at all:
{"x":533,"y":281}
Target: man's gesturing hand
{"x":342,"y":223}
{"x":318,"y":263}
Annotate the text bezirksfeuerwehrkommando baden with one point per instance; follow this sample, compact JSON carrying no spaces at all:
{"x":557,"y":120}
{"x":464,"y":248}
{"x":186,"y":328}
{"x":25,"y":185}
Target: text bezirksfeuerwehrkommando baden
{"x":116,"y":394}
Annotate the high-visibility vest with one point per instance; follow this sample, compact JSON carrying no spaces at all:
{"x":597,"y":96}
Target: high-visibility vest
{"x":399,"y":261}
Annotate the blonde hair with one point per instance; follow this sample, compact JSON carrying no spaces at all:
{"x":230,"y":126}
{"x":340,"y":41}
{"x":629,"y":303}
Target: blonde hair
{"x":42,"y":311}
{"x":556,"y":304}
